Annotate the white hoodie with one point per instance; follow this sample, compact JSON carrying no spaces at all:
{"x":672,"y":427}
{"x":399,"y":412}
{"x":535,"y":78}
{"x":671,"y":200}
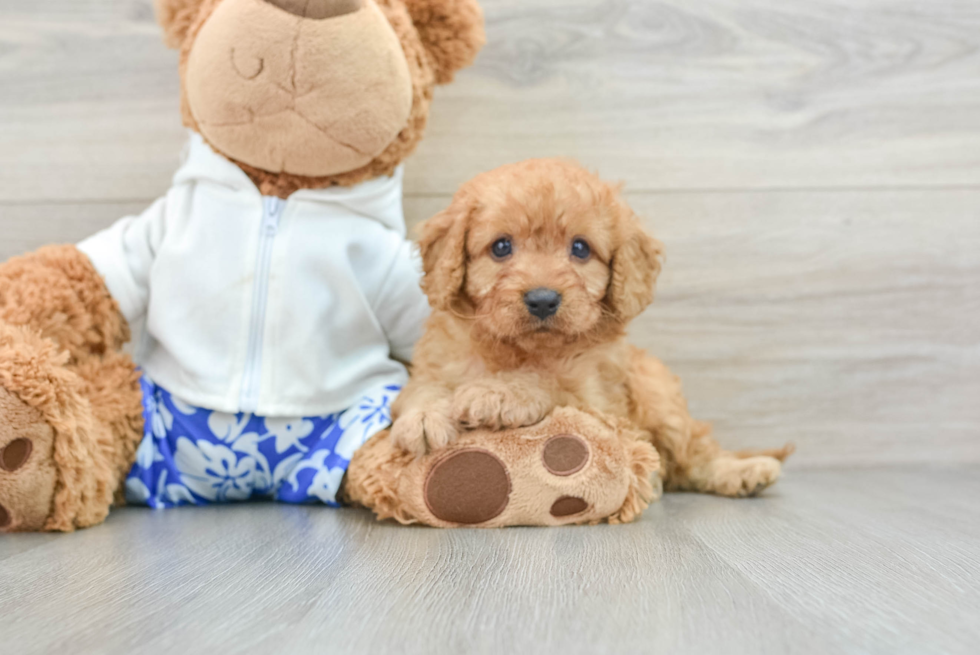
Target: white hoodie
{"x":254,"y":304}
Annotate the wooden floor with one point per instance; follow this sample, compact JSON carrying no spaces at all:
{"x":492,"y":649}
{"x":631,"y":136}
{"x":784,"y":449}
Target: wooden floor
{"x":873,"y":561}
{"x":813,"y":168}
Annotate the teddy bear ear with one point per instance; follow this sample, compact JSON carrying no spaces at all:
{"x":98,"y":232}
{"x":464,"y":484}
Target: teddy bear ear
{"x":176,"y":18}
{"x":452,"y":32}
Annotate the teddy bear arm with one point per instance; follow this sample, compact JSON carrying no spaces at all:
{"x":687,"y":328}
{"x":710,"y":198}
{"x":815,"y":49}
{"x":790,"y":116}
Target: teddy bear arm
{"x":57,"y":292}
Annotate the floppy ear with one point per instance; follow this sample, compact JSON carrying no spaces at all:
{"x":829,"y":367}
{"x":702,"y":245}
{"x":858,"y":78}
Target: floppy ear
{"x":176,"y":18}
{"x":442,"y":242}
{"x":635,"y":267}
{"x":452,"y":32}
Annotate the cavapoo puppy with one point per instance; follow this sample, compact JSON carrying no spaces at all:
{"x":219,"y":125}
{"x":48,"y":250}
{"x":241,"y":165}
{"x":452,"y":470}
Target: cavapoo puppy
{"x":533,"y":273}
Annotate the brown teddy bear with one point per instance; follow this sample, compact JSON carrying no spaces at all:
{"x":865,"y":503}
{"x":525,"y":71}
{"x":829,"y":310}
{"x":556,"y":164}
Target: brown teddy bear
{"x":272,"y":295}
{"x":301,"y":111}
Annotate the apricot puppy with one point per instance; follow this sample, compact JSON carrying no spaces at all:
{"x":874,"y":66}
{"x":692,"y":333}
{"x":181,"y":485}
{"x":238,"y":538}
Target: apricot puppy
{"x":533,"y":273}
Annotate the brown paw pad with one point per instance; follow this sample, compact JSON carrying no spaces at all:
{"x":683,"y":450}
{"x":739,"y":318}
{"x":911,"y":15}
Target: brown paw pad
{"x":4,"y":517}
{"x":567,"y":506}
{"x":469,"y":486}
{"x":565,"y":454}
{"x":15,"y":454}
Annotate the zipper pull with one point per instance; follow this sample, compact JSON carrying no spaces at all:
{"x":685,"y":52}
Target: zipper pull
{"x":273,"y":210}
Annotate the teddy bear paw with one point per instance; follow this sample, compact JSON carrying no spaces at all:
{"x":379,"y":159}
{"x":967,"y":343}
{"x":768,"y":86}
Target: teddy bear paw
{"x":571,"y":468}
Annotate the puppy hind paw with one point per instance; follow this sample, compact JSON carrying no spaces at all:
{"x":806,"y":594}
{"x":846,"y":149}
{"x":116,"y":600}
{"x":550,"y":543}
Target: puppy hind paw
{"x":741,"y":478}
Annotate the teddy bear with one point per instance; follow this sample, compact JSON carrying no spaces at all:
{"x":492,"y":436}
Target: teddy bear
{"x":272,"y":291}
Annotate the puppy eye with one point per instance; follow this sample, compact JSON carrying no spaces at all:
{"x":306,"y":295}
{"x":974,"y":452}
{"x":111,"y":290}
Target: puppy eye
{"x":502,"y":248}
{"x":581,"y":249}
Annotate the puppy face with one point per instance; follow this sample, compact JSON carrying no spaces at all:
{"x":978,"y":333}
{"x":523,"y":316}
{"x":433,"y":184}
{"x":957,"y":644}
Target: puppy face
{"x":539,"y":252}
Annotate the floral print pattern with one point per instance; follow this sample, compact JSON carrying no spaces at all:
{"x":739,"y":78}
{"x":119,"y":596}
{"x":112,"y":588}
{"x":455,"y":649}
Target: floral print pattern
{"x":195,"y":456}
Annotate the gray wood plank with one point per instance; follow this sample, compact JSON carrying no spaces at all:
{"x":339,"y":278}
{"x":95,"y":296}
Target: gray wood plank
{"x":666,"y":95}
{"x":843,"y":321}
{"x":800,"y":570}
{"x":30,"y":226}
{"x":922,"y":527}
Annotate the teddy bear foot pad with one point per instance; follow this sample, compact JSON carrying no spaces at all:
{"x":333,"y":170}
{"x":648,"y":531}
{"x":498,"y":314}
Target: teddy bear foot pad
{"x":472,"y":485}
{"x":570,"y":468}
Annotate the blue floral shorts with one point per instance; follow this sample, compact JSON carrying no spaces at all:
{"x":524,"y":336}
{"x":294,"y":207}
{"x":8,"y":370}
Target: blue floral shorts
{"x":193,"y":456}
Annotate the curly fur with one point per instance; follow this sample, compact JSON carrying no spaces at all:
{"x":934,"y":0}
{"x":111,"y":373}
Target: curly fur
{"x":54,"y":291}
{"x":452,"y":31}
{"x":176,"y":18}
{"x":644,"y":488}
{"x":493,"y":364}
{"x":373,"y":480}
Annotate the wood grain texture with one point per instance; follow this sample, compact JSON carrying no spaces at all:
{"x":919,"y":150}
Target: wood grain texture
{"x":666,"y":95}
{"x":800,"y":570}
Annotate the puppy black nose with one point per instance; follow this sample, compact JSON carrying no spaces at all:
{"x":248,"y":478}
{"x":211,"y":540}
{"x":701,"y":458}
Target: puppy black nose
{"x":318,"y":9}
{"x":542,"y":302}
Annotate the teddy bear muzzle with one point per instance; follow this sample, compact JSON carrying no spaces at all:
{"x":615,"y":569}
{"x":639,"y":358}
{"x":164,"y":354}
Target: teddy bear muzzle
{"x":318,"y":9}
{"x":293,"y":96}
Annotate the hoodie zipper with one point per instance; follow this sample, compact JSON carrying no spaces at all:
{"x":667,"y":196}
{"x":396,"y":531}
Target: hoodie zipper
{"x":252,"y":378}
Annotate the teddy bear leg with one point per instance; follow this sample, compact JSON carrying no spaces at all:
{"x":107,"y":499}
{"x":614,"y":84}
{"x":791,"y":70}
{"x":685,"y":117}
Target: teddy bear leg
{"x":70,"y":404}
{"x":56,"y":456}
{"x":572,"y":467}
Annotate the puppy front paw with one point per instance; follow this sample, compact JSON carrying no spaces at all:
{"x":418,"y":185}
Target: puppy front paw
{"x":495,"y":406}
{"x":419,"y":431}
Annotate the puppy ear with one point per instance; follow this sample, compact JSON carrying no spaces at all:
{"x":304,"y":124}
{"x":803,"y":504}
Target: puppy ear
{"x":176,"y":18}
{"x":635,"y":267}
{"x":452,"y":32}
{"x":442,"y":242}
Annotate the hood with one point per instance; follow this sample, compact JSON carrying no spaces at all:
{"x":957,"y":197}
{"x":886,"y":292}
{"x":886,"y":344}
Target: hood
{"x":379,"y":199}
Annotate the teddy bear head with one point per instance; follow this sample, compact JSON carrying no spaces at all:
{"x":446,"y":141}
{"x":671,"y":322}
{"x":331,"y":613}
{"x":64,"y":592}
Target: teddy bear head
{"x":316,"y":93}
